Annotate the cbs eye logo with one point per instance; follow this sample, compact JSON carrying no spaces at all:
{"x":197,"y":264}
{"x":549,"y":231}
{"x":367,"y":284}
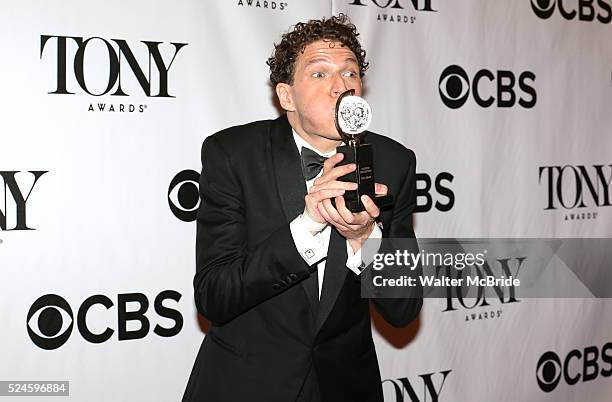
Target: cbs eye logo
{"x":548,"y":371}
{"x":488,"y":88}
{"x":50,"y":322}
{"x":454,"y":86}
{"x":184,"y":196}
{"x":543,"y":8}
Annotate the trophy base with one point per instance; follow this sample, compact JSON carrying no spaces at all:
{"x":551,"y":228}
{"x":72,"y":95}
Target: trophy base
{"x":361,"y":155}
{"x":381,"y":201}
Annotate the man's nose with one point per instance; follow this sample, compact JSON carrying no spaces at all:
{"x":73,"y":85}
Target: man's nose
{"x":339,"y":86}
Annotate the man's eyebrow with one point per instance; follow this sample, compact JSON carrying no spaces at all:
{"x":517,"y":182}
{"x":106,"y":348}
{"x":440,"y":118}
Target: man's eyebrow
{"x":325,"y":60}
{"x":317,"y":60}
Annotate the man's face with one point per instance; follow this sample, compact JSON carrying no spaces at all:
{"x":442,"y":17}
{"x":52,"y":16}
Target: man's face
{"x":322,"y":73}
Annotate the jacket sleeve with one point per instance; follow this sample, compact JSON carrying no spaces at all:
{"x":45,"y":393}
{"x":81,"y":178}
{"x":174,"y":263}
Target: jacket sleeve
{"x":231,"y":277}
{"x":399,"y":312}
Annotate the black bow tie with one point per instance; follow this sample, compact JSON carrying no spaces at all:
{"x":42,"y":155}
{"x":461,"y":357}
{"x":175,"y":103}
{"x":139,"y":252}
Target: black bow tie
{"x":312,"y":163}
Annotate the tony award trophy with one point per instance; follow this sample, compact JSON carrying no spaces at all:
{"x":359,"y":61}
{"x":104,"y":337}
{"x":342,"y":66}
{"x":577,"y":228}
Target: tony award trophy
{"x":353,"y":117}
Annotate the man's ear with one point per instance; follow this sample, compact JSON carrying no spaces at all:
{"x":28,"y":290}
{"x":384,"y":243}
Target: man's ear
{"x":285,"y":98}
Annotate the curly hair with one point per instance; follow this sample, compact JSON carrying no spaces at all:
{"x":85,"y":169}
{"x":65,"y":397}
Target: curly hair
{"x":339,"y":29}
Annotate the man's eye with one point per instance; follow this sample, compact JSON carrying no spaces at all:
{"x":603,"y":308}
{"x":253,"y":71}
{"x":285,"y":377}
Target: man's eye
{"x":350,"y":74}
{"x":317,"y":75}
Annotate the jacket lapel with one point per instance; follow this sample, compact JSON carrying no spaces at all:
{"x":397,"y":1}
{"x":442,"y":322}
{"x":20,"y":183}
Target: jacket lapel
{"x":286,"y":159}
{"x":291,"y":188}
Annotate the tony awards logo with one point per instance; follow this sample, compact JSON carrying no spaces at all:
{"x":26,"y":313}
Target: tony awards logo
{"x":353,"y":117}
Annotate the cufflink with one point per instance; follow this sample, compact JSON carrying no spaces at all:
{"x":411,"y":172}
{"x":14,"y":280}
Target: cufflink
{"x":361,"y":267}
{"x":309,"y":253}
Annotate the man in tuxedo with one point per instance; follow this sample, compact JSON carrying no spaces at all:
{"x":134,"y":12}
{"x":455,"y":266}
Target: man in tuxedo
{"x":279,"y":265}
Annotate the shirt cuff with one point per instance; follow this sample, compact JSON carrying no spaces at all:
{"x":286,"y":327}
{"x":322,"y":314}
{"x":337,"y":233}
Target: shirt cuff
{"x":308,"y":240}
{"x":354,"y":261}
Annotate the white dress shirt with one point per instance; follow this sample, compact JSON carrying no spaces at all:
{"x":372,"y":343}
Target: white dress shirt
{"x":311,"y":238}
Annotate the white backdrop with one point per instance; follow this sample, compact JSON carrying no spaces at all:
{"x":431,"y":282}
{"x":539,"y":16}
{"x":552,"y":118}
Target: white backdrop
{"x":112,"y":216}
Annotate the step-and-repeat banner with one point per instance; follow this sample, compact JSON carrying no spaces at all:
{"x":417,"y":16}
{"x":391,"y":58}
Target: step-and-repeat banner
{"x":105,"y":105}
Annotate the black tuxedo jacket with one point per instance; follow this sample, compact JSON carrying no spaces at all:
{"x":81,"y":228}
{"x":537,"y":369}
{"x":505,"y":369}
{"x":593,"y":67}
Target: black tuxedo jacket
{"x":271,"y":339}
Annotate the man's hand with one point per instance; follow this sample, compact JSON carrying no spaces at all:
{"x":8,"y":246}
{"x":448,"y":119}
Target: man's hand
{"x":327,"y":187}
{"x":355,"y":227}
